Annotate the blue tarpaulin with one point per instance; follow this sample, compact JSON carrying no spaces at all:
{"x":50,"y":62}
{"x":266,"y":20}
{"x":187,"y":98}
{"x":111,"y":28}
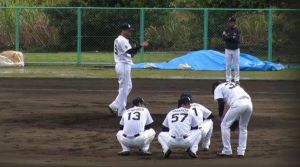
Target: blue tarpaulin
{"x":213,"y":61}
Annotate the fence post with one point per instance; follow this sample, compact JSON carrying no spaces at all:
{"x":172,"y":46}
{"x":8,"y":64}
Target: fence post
{"x":205,"y":29}
{"x":78,"y":36}
{"x":142,"y":34}
{"x":270,"y":33}
{"x":17,"y":35}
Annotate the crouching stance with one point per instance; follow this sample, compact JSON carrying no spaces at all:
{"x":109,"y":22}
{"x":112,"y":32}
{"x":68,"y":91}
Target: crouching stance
{"x":180,"y":130}
{"x":204,"y":118}
{"x":135,"y":129}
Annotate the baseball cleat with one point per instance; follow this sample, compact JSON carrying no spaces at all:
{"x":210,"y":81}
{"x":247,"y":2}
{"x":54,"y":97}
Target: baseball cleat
{"x":205,"y":149}
{"x":240,"y":156}
{"x":146,"y":153}
{"x":191,"y":154}
{"x":220,"y":154}
{"x":237,"y":83}
{"x":167,"y":154}
{"x":124,"y":153}
{"x":111,"y":110}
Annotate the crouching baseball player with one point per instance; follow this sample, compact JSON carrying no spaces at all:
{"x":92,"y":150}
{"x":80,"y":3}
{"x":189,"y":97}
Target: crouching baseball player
{"x":240,"y":108}
{"x":204,"y":118}
{"x":180,"y":130}
{"x":135,"y":129}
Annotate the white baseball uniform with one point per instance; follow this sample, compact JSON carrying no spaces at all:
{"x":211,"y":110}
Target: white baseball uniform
{"x":240,"y":109}
{"x":180,"y":121}
{"x":123,"y":62}
{"x":235,"y":56}
{"x":201,"y":114}
{"x":134,"y":134}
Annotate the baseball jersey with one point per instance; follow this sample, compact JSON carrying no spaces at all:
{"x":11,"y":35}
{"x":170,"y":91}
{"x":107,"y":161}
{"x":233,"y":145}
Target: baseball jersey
{"x":121,"y":45}
{"x":179,"y":121}
{"x":135,"y":119}
{"x":199,"y":112}
{"x":230,"y":92}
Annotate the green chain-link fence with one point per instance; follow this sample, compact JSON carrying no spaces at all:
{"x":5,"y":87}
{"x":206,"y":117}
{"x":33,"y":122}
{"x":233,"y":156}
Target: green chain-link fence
{"x":85,"y":35}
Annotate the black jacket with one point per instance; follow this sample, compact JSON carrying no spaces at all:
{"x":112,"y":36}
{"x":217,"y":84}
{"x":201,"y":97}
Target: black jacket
{"x":232,"y":39}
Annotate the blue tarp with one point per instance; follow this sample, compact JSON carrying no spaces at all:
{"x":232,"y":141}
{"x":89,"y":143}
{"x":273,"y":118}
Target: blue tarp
{"x":213,"y":61}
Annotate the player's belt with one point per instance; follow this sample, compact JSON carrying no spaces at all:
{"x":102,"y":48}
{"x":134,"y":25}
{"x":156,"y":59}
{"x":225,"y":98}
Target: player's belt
{"x":184,"y":137}
{"x":134,"y":136}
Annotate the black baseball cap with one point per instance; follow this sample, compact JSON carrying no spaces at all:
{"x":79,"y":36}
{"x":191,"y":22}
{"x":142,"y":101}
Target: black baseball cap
{"x":126,"y":26}
{"x":184,"y":100}
{"x":186,"y":95}
{"x":232,"y":19}
{"x":137,"y":101}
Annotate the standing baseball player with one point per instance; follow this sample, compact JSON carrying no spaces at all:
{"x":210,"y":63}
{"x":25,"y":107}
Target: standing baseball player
{"x":231,"y":36}
{"x":240,"y":108}
{"x":135,"y":129}
{"x":204,"y":118}
{"x":180,"y":130}
{"x":123,"y":54}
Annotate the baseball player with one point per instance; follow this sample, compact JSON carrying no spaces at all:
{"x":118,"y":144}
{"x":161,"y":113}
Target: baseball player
{"x":204,"y":118}
{"x":231,"y":36}
{"x":135,"y":129}
{"x":123,"y":54}
{"x":180,"y":130}
{"x":240,"y":108}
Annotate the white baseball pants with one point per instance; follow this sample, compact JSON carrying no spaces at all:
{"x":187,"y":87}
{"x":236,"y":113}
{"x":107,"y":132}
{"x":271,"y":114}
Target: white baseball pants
{"x":142,"y":141}
{"x":207,"y":128}
{"x":125,"y":85}
{"x":235,"y":56}
{"x":241,"y":110}
{"x":192,"y":141}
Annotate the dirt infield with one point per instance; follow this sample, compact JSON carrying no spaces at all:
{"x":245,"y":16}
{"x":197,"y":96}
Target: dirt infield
{"x":64,"y":122}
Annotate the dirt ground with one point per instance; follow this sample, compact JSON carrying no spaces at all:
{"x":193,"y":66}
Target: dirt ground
{"x":64,"y":122}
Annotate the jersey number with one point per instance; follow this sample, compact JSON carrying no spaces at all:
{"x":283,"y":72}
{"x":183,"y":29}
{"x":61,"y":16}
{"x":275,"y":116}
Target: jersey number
{"x":116,"y":49}
{"x":196,"y":113}
{"x":231,"y":85}
{"x":135,"y":116}
{"x":175,"y":117}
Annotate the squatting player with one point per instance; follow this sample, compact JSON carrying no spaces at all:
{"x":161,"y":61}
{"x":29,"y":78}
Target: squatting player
{"x":231,"y":36}
{"x":123,"y":54}
{"x":240,"y":108}
{"x":180,"y":130}
{"x":204,"y":118}
{"x":135,"y":129}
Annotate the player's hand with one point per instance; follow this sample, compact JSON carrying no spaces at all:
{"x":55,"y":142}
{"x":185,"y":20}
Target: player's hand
{"x":145,"y":44}
{"x":224,"y":33}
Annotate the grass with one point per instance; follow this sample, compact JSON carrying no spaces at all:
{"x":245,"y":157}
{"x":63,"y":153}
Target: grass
{"x":94,"y":57}
{"x":70,"y":71}
{"x":95,"y":71}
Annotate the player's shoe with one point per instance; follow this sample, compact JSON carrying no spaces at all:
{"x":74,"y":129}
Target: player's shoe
{"x":205,"y":149}
{"x":167,"y":154}
{"x":237,"y":83}
{"x":124,"y":153}
{"x":112,"y":110}
{"x":240,"y":156}
{"x":220,"y":154}
{"x":146,"y":153}
{"x":191,"y":154}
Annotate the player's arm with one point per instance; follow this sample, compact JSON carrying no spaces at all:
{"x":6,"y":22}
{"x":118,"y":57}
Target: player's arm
{"x":149,"y":121}
{"x":221,"y":106}
{"x":225,"y":36}
{"x":134,"y":50}
{"x":122,"y":123}
{"x":237,"y":37}
{"x":165,"y":125}
{"x":194,"y":124}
